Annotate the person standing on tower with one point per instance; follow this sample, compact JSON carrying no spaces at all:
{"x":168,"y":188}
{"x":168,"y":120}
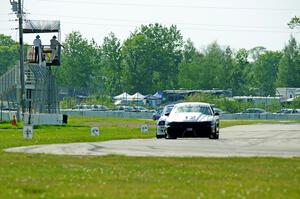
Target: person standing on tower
{"x":37,"y":48}
{"x":54,"y":47}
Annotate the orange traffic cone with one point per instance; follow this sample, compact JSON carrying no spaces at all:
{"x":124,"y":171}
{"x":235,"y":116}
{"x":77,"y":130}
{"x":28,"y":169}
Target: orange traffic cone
{"x":14,"y":121}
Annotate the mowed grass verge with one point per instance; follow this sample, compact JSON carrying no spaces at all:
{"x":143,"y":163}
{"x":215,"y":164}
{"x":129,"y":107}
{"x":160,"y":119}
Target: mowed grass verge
{"x":48,"y":176}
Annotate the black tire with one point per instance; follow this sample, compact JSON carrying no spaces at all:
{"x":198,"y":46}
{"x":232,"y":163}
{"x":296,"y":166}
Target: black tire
{"x":170,"y":137}
{"x":159,"y":136}
{"x":217,"y":132}
{"x":214,"y":135}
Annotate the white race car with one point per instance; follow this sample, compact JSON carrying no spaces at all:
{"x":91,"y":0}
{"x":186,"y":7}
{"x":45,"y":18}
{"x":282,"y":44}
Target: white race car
{"x":192,"y":119}
{"x":160,"y":124}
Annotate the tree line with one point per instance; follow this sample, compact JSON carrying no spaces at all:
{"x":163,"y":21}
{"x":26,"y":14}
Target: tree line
{"x":8,"y":53}
{"x":155,"y":57}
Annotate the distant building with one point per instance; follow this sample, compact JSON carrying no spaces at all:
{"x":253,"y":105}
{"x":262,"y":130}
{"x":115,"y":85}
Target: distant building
{"x":177,"y":95}
{"x":288,"y":93}
{"x":258,"y":99}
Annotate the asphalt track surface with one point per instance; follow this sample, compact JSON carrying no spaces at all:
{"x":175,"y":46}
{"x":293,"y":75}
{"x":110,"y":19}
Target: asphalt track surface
{"x":274,"y":140}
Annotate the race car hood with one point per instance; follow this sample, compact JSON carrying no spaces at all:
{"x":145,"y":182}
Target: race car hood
{"x":188,"y":117}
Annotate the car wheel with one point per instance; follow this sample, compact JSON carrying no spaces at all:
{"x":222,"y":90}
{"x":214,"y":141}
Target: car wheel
{"x":215,"y":134}
{"x":159,"y":136}
{"x":170,"y":137}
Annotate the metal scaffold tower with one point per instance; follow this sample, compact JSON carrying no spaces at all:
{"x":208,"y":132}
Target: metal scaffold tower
{"x":30,"y":87}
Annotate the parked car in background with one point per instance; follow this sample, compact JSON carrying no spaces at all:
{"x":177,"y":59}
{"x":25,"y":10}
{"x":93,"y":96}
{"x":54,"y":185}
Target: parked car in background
{"x":192,"y":119}
{"x":160,"y":124}
{"x":124,"y":108}
{"x":99,"y":108}
{"x":140,"y":109}
{"x":83,"y":107}
{"x":254,"y":110}
{"x":156,"y":115}
{"x":289,"y":111}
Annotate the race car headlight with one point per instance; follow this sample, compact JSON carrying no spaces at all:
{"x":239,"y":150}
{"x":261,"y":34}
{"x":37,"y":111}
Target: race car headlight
{"x":166,"y":124}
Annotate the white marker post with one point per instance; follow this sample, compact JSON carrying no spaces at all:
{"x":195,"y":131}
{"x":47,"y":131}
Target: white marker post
{"x":95,"y":131}
{"x":28,"y":132}
{"x":144,"y":128}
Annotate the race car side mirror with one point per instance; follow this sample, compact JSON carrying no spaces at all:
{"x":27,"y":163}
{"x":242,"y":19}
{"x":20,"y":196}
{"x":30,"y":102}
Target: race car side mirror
{"x":217,"y":114}
{"x":167,"y":114}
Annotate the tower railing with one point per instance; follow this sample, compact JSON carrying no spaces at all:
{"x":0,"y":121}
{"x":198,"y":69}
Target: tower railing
{"x":49,"y":56}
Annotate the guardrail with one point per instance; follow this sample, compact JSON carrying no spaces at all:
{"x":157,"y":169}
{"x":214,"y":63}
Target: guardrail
{"x":257,"y":116}
{"x":6,"y":115}
{"x":36,"y":119}
{"x":148,"y":115}
{"x":119,"y":114}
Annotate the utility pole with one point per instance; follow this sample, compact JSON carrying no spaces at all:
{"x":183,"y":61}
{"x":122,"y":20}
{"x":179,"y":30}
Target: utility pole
{"x":20,"y":17}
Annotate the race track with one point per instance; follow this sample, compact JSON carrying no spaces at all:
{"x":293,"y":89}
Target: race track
{"x":276,"y":140}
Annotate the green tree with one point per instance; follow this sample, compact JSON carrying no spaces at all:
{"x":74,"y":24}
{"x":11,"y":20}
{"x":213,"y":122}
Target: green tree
{"x":189,"y":51}
{"x":265,"y":72}
{"x":8,"y":53}
{"x":111,"y":59}
{"x":227,"y":69}
{"x":224,"y":103}
{"x":295,"y":103}
{"x":212,"y":69}
{"x":138,"y":68}
{"x":212,"y":66}
{"x":289,"y":66}
{"x":189,"y":68}
{"x":81,"y":64}
{"x":294,"y":22}
{"x":152,"y":55}
{"x":241,"y":67}
{"x":255,"y":53}
{"x":252,"y":86}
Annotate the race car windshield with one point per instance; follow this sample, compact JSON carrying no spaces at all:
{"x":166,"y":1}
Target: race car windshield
{"x":194,"y":109}
{"x":167,"y":109}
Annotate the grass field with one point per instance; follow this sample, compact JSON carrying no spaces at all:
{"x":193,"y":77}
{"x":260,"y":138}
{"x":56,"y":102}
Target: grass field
{"x":48,"y":176}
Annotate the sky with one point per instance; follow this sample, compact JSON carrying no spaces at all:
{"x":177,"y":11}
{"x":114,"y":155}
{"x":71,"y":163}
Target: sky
{"x":235,"y":23}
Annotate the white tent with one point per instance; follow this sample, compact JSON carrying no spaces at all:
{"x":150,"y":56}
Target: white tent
{"x":123,"y":96}
{"x":137,"y":96}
